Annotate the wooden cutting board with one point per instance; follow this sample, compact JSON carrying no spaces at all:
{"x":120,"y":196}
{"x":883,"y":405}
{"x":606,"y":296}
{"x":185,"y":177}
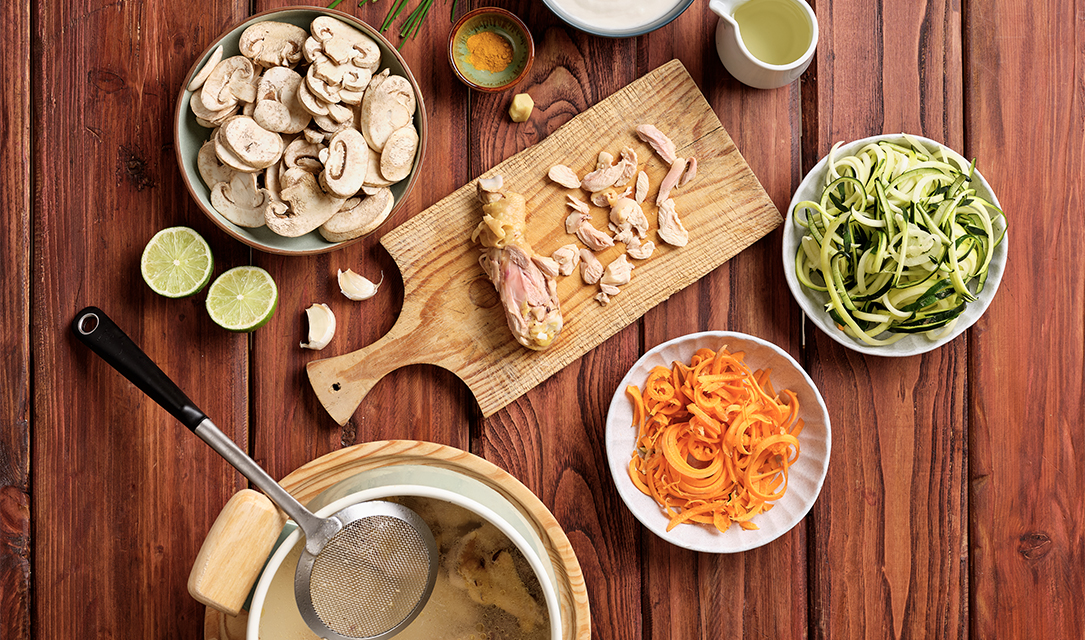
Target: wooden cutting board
{"x":451,"y":314}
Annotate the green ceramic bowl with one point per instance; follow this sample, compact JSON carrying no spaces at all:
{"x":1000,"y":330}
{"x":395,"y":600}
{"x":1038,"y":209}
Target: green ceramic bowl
{"x":504,"y":24}
{"x":190,"y":136}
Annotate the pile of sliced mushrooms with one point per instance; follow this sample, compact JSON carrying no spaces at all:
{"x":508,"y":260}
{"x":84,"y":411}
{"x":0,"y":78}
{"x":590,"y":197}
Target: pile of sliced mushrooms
{"x":619,"y":185}
{"x":306,"y":134}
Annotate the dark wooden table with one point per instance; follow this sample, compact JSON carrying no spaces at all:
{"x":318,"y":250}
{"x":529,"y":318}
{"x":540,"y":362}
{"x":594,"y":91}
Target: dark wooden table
{"x":955,"y":501}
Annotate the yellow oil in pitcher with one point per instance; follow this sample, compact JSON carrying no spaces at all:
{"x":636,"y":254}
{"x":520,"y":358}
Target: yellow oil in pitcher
{"x":774,"y":31}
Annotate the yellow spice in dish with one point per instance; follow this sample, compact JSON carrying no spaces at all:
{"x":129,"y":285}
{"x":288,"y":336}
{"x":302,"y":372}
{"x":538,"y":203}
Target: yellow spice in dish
{"x":489,"y":51}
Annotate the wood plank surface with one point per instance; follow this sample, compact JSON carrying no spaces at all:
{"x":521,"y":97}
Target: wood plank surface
{"x":953,"y":506}
{"x":889,"y":558}
{"x":16,"y":596}
{"x":1026,"y":405}
{"x":122,"y":493}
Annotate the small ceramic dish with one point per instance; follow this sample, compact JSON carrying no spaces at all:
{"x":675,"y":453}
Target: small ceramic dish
{"x":805,"y":477}
{"x":189,"y":136}
{"x":616,"y":18}
{"x":517,"y":44}
{"x":813,"y":302}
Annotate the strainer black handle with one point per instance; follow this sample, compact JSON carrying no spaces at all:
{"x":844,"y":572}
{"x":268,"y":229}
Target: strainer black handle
{"x":98,"y":331}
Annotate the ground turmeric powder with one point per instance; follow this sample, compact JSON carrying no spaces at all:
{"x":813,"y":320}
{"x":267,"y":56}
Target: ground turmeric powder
{"x":489,"y":52}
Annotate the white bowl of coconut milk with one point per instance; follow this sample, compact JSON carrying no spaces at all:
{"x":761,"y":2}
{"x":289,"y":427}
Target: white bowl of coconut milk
{"x":618,"y":18}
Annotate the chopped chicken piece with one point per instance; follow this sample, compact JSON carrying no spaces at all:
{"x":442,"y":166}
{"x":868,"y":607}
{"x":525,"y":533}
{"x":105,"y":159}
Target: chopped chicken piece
{"x":658,"y":141}
{"x":617,"y":273}
{"x":609,"y":289}
{"x":602,"y":298}
{"x":626,"y":211}
{"x":607,"y":196}
{"x":605,"y":174}
{"x":577,"y":205}
{"x":670,"y":180}
{"x":604,"y":160}
{"x":547,"y":265}
{"x":528,"y":296}
{"x":639,"y":251}
{"x":564,"y":176}
{"x":690,"y":174}
{"x":642,"y":187}
{"x":671,"y":229}
{"x":590,"y":267}
{"x":592,"y":238}
{"x":628,"y":164}
{"x":574,"y":220}
{"x":624,"y":234}
{"x":567,"y":257}
{"x":482,"y":564}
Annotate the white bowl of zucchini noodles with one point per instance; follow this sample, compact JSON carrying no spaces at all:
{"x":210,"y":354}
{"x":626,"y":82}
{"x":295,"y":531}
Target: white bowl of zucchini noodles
{"x":894,"y":245}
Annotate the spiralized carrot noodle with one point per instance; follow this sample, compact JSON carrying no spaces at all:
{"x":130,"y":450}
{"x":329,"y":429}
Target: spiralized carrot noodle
{"x":714,"y":440}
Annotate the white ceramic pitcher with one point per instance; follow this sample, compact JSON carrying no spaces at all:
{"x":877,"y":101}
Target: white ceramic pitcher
{"x":745,"y":66}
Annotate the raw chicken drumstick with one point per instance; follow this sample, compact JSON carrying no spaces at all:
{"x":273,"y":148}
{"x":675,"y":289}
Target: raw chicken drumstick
{"x":528,"y":295}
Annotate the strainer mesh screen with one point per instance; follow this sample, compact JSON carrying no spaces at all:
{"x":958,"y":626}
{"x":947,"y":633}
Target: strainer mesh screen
{"x":370,"y":576}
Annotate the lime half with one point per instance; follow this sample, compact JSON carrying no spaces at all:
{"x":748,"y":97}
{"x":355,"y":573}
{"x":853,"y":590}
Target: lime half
{"x":242,"y":299}
{"x":176,"y":262}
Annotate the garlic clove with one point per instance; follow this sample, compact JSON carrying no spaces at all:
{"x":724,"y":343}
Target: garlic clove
{"x":321,"y":326}
{"x":357,"y":287}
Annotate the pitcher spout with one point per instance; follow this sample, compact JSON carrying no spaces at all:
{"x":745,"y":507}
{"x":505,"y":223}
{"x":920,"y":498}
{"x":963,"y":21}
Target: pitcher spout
{"x":725,"y":9}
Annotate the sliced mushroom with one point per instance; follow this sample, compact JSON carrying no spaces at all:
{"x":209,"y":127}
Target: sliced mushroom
{"x":230,"y":77}
{"x":210,"y":167}
{"x":227,"y":155}
{"x":201,"y":76}
{"x":278,"y":107}
{"x":304,"y":155}
{"x":205,"y":115}
{"x":382,"y":111}
{"x":346,"y":164}
{"x":310,"y":207}
{"x":336,"y":36}
{"x":253,"y":144}
{"x":273,"y":44}
{"x":327,"y":92}
{"x":330,"y":126}
{"x":310,"y":102}
{"x":373,"y":177}
{"x":240,"y":201}
{"x":397,"y":158}
{"x":313,"y":136}
{"x":360,"y":219}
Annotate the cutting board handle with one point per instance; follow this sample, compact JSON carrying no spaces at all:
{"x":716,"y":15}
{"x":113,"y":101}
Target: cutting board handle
{"x":341,"y":382}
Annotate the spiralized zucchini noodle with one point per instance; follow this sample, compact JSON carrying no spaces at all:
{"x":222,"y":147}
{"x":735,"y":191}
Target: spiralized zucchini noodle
{"x":899,"y":240}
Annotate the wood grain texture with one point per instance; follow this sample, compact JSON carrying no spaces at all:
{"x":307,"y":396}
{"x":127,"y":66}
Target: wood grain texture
{"x":15,"y":396}
{"x":122,"y":493}
{"x":704,"y":595}
{"x":452,"y":319}
{"x":889,"y":555}
{"x":1026,"y":403}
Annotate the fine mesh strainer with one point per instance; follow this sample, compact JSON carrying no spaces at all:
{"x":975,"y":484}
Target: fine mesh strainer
{"x":366,"y":571}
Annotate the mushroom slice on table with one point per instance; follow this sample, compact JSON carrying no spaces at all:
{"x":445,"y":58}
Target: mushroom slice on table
{"x":346,"y":164}
{"x":240,"y":201}
{"x":273,"y":44}
{"x":528,"y":296}
{"x":397,"y":158}
{"x":277,"y":106}
{"x":309,"y":208}
{"x":358,"y":217}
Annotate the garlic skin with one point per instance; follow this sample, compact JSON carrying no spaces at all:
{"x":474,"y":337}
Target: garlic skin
{"x":357,"y":287}
{"x":321,"y":326}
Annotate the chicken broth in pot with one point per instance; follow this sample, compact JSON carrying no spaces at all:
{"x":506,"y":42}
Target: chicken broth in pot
{"x":486,"y":589}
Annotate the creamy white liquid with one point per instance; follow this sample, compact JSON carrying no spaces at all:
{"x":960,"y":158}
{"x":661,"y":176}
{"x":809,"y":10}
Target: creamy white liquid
{"x":617,"y":14}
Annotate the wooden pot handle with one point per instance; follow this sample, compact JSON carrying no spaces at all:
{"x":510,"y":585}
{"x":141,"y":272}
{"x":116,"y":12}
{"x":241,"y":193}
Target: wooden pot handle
{"x":235,"y":550}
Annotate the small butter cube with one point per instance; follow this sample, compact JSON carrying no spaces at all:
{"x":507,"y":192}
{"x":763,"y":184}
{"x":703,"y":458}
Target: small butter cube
{"x":522,"y":104}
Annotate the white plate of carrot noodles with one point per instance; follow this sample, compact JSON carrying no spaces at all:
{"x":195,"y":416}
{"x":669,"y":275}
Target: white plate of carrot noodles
{"x":718,"y":441}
